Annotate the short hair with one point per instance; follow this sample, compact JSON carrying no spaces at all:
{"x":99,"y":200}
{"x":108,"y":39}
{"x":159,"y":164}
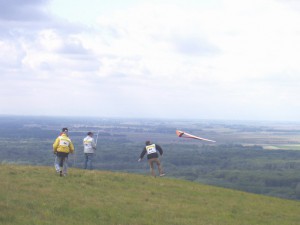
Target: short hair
{"x":89,"y":133}
{"x":147,"y":142}
{"x":64,"y":129}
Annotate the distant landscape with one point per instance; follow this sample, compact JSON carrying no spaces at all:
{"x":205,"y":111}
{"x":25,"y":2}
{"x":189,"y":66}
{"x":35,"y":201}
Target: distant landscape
{"x":253,"y":156}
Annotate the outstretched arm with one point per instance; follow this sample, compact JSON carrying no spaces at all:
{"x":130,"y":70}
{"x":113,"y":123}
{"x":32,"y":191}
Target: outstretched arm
{"x":142,"y":154}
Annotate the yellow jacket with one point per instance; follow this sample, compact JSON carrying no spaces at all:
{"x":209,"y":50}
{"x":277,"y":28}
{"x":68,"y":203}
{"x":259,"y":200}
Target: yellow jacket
{"x":63,"y":144}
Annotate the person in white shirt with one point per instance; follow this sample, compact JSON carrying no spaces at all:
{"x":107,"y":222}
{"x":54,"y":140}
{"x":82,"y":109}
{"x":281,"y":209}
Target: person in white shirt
{"x":89,"y":150}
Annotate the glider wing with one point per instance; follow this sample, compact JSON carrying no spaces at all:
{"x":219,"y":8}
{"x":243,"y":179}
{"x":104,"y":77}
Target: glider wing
{"x":187,"y":135}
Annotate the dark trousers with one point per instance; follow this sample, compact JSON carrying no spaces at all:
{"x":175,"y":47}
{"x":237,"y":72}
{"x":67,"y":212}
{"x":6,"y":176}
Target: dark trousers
{"x":61,"y":158}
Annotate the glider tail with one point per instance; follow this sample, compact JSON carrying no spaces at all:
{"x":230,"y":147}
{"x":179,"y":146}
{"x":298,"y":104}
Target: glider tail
{"x":187,"y":135}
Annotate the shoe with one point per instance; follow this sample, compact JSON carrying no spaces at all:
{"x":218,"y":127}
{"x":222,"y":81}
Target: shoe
{"x":64,"y":174}
{"x":161,"y":175}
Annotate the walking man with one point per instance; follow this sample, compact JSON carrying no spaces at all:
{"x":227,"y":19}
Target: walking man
{"x":62,"y":147}
{"x":152,"y":156}
{"x":89,"y":150}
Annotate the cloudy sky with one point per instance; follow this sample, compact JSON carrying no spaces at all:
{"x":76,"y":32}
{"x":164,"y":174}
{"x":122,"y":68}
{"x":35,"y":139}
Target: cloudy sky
{"x":218,"y":59}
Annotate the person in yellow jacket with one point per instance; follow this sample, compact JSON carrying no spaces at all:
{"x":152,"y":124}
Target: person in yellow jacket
{"x":62,"y":147}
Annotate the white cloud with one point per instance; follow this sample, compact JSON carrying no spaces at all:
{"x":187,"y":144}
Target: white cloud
{"x":223,"y":59}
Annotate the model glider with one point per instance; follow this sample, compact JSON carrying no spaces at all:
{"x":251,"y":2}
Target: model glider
{"x":187,"y":135}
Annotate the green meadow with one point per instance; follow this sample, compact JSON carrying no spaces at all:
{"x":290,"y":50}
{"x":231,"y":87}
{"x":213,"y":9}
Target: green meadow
{"x":37,"y":195}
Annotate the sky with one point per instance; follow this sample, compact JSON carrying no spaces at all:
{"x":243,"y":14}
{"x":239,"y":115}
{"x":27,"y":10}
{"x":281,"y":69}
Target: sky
{"x":192,"y":59}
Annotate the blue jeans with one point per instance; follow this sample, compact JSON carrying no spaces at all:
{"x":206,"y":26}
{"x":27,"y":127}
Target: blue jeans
{"x":88,"y":161}
{"x":62,"y":160}
{"x":56,"y":164}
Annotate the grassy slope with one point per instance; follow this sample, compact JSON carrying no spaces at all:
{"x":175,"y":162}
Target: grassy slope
{"x":36,"y":195}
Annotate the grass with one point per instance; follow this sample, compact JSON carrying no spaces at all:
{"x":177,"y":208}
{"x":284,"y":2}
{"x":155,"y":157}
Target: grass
{"x":36,"y":195}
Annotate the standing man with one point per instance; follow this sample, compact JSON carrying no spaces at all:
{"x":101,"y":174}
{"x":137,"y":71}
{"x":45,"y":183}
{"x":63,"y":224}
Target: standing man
{"x":152,"y":156}
{"x":89,"y":150}
{"x":62,"y":147}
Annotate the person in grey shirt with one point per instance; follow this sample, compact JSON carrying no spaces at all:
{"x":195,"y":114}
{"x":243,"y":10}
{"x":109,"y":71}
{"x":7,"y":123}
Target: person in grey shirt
{"x":89,"y":150}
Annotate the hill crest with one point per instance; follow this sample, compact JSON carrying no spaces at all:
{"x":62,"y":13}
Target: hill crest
{"x":36,"y":195}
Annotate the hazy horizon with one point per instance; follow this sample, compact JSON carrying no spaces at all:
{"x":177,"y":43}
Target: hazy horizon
{"x":204,"y":120}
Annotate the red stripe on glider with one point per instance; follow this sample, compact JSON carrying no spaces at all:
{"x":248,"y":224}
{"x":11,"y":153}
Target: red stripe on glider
{"x":187,"y":135}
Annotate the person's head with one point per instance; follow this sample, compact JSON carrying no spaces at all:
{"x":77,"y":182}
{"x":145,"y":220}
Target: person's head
{"x":65,"y":130}
{"x":90,"y":134}
{"x":147,"y":142}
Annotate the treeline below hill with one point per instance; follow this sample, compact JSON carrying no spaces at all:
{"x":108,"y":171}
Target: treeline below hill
{"x":250,"y":169}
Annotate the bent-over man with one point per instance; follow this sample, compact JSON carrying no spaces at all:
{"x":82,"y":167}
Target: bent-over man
{"x":152,"y":156}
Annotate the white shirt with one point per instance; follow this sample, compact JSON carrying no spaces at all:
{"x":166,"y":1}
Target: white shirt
{"x":89,"y":144}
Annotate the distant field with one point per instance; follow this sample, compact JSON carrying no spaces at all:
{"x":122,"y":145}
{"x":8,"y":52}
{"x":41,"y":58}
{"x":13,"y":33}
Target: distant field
{"x":292,"y":147}
{"x":281,"y":147}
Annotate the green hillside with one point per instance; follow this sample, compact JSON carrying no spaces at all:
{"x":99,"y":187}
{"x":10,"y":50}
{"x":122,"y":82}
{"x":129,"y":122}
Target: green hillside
{"x":36,"y":195}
